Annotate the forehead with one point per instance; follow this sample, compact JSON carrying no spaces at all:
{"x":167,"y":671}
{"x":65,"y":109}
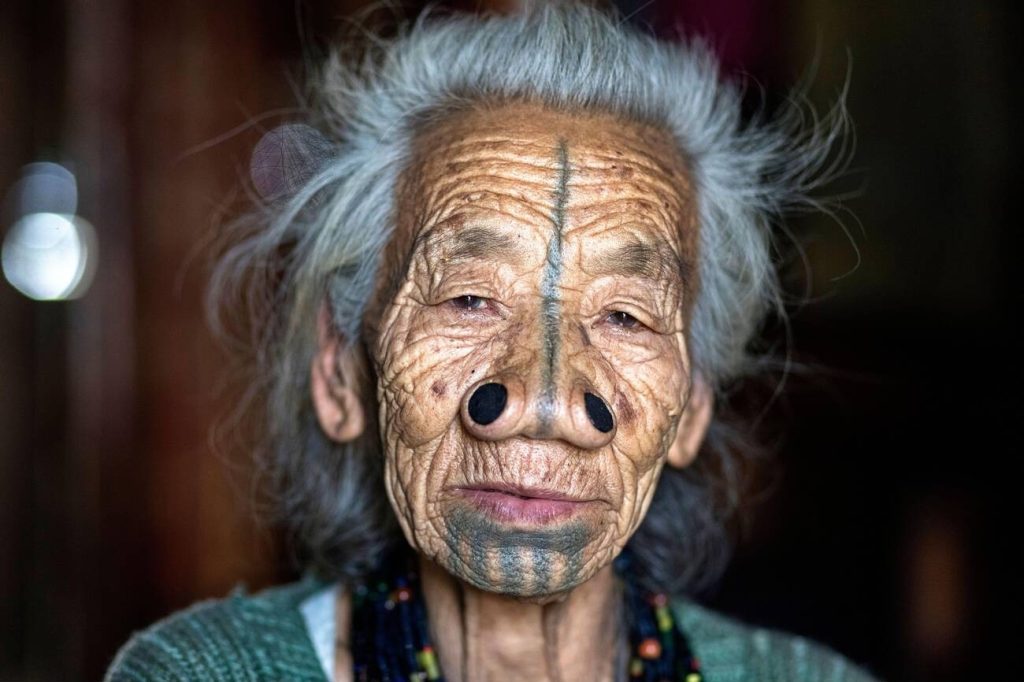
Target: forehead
{"x":520,"y":168}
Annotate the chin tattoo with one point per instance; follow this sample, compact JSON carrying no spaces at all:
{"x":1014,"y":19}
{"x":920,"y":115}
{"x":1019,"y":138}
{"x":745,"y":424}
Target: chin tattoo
{"x":519,"y":563}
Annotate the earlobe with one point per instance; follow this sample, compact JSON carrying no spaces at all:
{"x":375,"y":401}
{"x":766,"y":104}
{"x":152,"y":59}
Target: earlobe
{"x":334,"y":386}
{"x":693,"y":424}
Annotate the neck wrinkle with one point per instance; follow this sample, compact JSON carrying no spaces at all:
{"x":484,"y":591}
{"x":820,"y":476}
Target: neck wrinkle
{"x":480,"y":636}
{"x":552,"y":618}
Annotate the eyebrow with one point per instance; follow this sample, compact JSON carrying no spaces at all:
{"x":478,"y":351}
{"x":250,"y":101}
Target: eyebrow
{"x":639,"y":258}
{"x":479,"y":243}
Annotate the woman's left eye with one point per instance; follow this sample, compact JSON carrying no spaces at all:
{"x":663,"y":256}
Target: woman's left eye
{"x":621,"y":319}
{"x":469,"y":302}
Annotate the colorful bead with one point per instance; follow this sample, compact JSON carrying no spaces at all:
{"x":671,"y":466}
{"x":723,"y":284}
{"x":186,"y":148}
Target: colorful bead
{"x":663,"y":617}
{"x":428,"y":661}
{"x":636,"y":668}
{"x":403,"y":594}
{"x":693,"y":677}
{"x":649,"y":649}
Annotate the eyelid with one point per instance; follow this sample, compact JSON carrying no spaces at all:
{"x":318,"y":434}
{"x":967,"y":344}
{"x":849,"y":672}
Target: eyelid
{"x":643,"y":318}
{"x":448,"y":285}
{"x":490,"y":307}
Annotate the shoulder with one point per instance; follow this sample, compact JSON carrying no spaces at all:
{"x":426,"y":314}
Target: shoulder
{"x":731,"y":650}
{"x":241,"y":637}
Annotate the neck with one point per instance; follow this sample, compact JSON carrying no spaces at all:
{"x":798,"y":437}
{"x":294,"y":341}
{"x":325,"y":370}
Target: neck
{"x":485,"y":636}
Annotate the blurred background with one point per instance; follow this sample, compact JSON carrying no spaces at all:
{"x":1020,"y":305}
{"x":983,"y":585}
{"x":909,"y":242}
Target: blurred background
{"x":125,"y":128}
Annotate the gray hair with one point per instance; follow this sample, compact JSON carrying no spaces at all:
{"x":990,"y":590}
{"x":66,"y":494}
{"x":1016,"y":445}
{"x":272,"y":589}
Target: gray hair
{"x":323,"y":242}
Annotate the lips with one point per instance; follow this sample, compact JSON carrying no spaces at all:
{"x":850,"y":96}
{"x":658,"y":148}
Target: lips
{"x":515,"y":504}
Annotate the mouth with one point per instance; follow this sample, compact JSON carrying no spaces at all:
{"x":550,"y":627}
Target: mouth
{"x":519,"y":505}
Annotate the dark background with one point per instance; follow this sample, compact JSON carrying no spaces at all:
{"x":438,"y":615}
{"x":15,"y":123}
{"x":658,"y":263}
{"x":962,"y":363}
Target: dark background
{"x":892,"y":505}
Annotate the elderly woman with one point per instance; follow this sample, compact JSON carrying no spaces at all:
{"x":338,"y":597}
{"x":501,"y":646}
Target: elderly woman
{"x":502,"y":280}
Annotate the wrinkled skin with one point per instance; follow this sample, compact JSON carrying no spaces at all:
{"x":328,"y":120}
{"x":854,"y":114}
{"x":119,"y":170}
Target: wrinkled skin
{"x":552,"y":253}
{"x":485,"y":276}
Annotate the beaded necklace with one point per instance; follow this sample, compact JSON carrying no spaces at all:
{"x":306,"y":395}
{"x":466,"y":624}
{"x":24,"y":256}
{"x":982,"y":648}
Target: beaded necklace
{"x":390,"y":641}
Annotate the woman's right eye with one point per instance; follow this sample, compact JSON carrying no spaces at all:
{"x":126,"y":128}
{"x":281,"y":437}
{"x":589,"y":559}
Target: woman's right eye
{"x":469,"y":302}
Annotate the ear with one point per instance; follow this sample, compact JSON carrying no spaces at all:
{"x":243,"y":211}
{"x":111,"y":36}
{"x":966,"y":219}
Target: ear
{"x":693,"y":424}
{"x":334,"y":384}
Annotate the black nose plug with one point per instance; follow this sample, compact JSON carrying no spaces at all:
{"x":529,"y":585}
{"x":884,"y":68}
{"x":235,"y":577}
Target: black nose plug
{"x":487,"y":403}
{"x":600,"y":415}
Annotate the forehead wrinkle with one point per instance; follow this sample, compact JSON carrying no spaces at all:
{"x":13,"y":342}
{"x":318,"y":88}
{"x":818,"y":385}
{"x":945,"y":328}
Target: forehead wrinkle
{"x":596,"y":187}
{"x":524,"y":198}
{"x":610,"y":187}
{"x":611,"y":183}
{"x":484,"y":206}
{"x":620,"y":174}
{"x":664,"y":226}
{"x":512,"y":158}
{"x":626,"y":140}
{"x":456,"y":190}
{"x":478,"y":143}
{"x":652,"y":163}
{"x":511,"y":154}
{"x":623,"y":210}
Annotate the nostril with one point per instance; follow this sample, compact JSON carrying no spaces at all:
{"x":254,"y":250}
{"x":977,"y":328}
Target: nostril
{"x":599,"y":414}
{"x":487,"y":403}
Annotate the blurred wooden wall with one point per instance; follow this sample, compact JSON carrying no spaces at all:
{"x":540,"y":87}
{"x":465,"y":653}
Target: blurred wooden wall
{"x":117,"y":509}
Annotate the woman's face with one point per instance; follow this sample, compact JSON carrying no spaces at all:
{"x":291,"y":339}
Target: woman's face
{"x":531,"y":356}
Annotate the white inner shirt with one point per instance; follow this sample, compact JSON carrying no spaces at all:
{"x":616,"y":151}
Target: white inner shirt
{"x":318,"y":612}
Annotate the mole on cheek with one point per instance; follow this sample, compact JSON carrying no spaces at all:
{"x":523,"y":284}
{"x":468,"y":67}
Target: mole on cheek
{"x":625,"y":411}
{"x":438,"y":388}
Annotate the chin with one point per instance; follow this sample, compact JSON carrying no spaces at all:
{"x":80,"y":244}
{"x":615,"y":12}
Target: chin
{"x":534,"y":561}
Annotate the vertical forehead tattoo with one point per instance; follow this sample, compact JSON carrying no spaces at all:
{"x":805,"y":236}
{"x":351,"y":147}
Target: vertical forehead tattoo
{"x":549,"y":291}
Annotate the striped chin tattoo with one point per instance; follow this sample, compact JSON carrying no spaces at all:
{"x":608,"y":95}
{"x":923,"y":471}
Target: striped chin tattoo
{"x":518,"y":562}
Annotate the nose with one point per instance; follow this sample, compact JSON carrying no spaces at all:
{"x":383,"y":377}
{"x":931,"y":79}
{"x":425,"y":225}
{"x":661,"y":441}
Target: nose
{"x":504,"y":406}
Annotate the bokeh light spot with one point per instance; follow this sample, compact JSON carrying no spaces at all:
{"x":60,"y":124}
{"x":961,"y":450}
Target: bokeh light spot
{"x":50,"y":256}
{"x":44,"y":187}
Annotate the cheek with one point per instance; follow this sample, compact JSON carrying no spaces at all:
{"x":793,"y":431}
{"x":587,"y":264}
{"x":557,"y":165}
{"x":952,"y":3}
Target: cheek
{"x":648,"y":401}
{"x":414,"y":374}
{"x":419,"y":393}
{"x":423,"y":372}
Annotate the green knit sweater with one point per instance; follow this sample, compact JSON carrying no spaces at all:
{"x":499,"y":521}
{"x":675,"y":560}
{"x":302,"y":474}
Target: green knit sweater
{"x":263,"y":638}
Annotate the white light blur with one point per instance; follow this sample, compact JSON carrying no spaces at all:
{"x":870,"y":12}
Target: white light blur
{"x":50,"y":256}
{"x":49,"y":253}
{"x":44,"y":187}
